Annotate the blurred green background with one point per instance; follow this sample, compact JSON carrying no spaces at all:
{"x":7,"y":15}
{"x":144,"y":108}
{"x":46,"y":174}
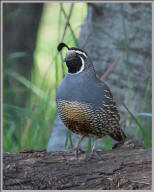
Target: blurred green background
{"x":30,"y":126}
{"x":29,"y":107}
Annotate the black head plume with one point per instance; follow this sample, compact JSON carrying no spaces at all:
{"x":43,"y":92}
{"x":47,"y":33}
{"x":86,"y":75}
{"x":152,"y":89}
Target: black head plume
{"x":61,"y":45}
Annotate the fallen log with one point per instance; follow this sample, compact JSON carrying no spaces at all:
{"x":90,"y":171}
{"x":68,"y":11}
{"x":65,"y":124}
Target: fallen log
{"x":120,"y":168}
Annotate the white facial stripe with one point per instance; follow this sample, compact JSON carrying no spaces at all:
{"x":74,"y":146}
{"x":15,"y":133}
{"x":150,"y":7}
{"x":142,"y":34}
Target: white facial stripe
{"x":69,"y":52}
{"x":81,"y":69}
{"x":80,"y":52}
{"x":76,"y":51}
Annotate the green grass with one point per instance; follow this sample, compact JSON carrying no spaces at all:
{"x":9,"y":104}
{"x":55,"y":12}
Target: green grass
{"x":31,"y":127}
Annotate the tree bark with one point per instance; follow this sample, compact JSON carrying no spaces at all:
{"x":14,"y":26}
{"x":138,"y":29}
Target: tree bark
{"x":125,"y":167}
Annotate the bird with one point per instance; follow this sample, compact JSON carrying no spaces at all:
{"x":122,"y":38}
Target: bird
{"x":85,"y":103}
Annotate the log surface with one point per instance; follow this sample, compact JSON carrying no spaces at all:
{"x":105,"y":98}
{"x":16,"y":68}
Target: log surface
{"x":120,"y":168}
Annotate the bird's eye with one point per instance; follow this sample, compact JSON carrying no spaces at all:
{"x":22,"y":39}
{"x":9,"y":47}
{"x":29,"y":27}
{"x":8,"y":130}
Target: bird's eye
{"x":78,"y":55}
{"x":75,"y":54}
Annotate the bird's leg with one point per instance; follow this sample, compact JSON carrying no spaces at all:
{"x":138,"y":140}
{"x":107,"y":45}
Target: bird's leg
{"x":93,"y":152}
{"x":76,"y":148}
{"x":94,"y":145}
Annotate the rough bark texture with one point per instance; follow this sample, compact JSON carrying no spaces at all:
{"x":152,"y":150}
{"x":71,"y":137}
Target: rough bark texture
{"x":112,"y":28}
{"x":20,"y":26}
{"x":127,"y":167}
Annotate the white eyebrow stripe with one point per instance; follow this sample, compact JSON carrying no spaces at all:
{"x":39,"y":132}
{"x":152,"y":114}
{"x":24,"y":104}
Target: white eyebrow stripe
{"x":76,"y":51}
{"x":80,"y":52}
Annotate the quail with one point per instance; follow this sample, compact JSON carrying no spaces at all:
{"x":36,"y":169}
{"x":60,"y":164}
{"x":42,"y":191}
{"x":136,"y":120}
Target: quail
{"x":85,"y":103}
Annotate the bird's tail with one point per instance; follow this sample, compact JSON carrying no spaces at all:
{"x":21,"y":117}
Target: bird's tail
{"x":118,"y":135}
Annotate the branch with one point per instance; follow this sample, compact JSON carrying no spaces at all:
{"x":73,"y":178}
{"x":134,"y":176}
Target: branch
{"x":64,"y":31}
{"x":120,"y":168}
{"x":111,"y":67}
{"x":67,"y":21}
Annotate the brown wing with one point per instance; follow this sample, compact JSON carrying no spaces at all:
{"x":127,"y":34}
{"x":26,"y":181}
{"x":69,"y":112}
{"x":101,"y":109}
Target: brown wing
{"x":109,"y":104}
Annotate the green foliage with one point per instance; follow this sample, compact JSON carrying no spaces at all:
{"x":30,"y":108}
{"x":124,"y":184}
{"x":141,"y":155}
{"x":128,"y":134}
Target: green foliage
{"x":107,"y":143}
{"x":89,"y":144}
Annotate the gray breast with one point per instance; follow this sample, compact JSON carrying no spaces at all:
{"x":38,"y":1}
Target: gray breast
{"x":82,"y":88}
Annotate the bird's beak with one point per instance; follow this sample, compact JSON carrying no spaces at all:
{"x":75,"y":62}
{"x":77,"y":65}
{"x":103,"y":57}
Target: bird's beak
{"x":65,"y":59}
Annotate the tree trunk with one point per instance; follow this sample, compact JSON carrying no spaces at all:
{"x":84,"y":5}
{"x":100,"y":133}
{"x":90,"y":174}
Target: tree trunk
{"x":20,"y":26}
{"x":110,"y":30}
{"x":126,"y":167}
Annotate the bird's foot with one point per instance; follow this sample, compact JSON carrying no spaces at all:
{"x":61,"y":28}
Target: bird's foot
{"x":94,"y":155}
{"x":77,"y":152}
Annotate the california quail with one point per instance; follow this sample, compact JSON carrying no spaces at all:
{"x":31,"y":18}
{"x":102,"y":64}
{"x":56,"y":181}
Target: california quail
{"x":85,"y":103}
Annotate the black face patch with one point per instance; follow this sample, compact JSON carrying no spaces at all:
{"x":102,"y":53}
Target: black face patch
{"x":74,"y":65}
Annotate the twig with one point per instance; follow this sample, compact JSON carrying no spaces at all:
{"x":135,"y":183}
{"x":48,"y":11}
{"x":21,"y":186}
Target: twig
{"x":62,"y":64}
{"x":110,"y":68}
{"x":71,"y":30}
{"x":140,"y":182}
{"x":64,"y":31}
{"x":131,"y":114}
{"x":67,"y":21}
{"x":87,"y":31}
{"x":28,"y":124}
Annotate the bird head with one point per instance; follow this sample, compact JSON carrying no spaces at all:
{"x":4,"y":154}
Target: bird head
{"x":76,"y":59}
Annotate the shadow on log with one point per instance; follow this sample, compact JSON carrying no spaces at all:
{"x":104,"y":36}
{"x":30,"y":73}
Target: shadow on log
{"x":120,"y":168}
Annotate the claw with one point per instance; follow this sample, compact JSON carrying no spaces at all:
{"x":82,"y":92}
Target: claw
{"x":76,"y":148}
{"x":94,"y":152}
{"x":77,"y":153}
